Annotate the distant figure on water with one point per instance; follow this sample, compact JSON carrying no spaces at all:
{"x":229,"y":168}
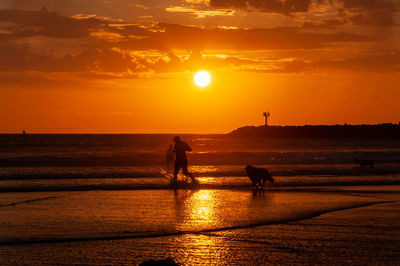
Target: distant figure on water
{"x":170,"y":158}
{"x":258,"y":176}
{"x":365,"y":163}
{"x":180,"y":149}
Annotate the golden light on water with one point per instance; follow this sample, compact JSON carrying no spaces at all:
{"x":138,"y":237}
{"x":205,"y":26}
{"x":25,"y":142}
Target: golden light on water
{"x":196,"y":210}
{"x":202,"y":78}
{"x":203,"y":209}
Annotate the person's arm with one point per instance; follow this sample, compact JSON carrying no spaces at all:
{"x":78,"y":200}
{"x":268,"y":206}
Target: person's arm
{"x":188,"y":147}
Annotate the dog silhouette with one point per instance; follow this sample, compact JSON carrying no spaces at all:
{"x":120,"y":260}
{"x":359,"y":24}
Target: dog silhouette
{"x":258,"y":176}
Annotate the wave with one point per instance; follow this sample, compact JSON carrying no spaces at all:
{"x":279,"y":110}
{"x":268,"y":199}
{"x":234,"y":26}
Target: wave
{"x":298,"y":183}
{"x":202,"y":158}
{"x":32,"y":173}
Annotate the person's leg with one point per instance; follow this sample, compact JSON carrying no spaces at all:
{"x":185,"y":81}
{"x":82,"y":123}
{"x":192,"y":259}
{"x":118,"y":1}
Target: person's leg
{"x":176,"y":170}
{"x":186,"y":173}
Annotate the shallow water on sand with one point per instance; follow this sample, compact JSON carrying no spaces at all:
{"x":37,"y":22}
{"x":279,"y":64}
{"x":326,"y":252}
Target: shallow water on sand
{"x":194,"y":227}
{"x":98,"y":215}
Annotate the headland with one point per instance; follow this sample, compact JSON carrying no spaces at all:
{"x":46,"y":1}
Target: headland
{"x":385,"y":130}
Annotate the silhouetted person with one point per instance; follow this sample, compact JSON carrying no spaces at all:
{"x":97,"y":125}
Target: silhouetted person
{"x":170,"y":157}
{"x":180,"y":149}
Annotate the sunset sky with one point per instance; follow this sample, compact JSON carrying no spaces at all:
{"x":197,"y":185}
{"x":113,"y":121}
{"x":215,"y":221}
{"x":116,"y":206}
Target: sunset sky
{"x":126,"y":66}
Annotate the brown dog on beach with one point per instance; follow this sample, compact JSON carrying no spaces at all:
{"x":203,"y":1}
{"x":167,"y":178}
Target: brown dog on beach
{"x":258,"y":176}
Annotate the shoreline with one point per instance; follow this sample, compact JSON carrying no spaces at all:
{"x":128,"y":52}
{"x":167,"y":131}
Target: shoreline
{"x":281,"y":188}
{"x":240,"y":183}
{"x":341,"y":225}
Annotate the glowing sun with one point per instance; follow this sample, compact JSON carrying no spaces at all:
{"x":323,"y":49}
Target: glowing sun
{"x":202,"y":78}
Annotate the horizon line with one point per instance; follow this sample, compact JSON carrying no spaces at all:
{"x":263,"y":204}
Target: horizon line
{"x":187,"y":133}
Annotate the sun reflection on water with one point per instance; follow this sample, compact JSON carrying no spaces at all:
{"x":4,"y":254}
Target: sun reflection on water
{"x":203,"y":168}
{"x":202,"y":250}
{"x":195,"y":210}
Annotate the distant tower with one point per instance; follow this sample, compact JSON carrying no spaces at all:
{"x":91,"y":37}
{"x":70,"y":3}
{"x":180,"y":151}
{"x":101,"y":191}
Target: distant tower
{"x":266,"y":114}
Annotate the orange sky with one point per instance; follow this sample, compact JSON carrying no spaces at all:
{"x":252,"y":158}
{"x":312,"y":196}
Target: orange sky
{"x":127,"y":66}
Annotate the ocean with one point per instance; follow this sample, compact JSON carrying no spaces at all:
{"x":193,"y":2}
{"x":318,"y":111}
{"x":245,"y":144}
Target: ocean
{"x":51,"y":162}
{"x":101,"y":199}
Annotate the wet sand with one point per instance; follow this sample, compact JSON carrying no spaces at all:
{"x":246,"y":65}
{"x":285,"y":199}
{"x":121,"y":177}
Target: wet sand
{"x":328,"y":225}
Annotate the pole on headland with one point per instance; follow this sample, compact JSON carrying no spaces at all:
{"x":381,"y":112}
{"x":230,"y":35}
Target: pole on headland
{"x":266,"y":114}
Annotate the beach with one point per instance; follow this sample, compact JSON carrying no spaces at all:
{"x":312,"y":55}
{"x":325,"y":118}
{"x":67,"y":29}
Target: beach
{"x":357,"y":225}
{"x":102,"y":199}
{"x":200,"y":132}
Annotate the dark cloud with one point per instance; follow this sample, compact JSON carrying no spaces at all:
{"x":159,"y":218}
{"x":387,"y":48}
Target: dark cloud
{"x":379,"y":62}
{"x":370,"y":4}
{"x":14,"y":57}
{"x":360,"y":12}
{"x":328,"y":23}
{"x":382,"y":62}
{"x":52,"y":24}
{"x":92,"y":62}
{"x":193,"y":38}
{"x":166,"y":36}
{"x":112,"y":63}
{"x":128,"y":30}
{"x":273,"y":6}
{"x":371,"y":12}
{"x":292,"y":6}
{"x":104,"y":57}
{"x":382,"y":18}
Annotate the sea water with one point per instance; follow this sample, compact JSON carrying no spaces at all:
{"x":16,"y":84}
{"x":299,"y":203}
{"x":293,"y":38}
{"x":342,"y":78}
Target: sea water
{"x":81,"y":162}
{"x":100,"y":199}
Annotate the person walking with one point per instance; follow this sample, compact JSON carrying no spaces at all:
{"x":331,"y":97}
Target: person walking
{"x":180,"y":149}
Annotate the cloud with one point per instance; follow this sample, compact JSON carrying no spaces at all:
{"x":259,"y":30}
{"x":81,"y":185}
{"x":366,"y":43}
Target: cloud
{"x":200,"y":13}
{"x":388,"y":61}
{"x":380,"y":18}
{"x":52,"y":24}
{"x":172,"y":36}
{"x":128,"y":29}
{"x":370,"y":4}
{"x":15,"y":57}
{"x":360,"y":12}
{"x":117,"y":49}
{"x":116,"y":64}
{"x":106,"y":33}
{"x":327,"y":23}
{"x":383,"y":62}
{"x":371,"y":12}
{"x":272,"y":6}
{"x":380,"y":63}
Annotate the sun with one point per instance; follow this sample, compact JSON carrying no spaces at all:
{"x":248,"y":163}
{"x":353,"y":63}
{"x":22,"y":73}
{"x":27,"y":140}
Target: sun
{"x":202,"y":78}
